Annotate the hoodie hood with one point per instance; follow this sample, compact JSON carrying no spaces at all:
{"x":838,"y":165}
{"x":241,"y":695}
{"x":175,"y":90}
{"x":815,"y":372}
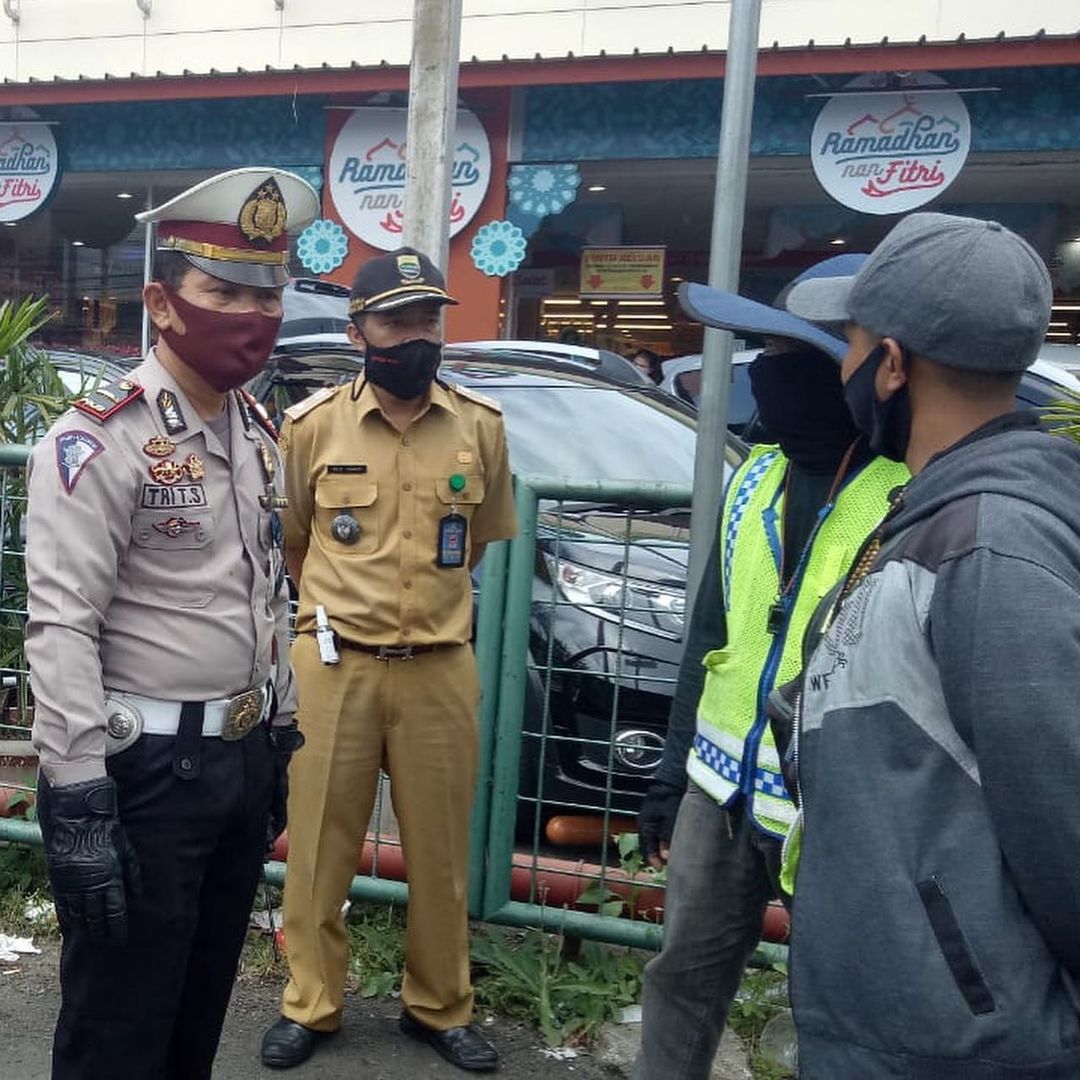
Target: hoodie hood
{"x":1013,"y":455}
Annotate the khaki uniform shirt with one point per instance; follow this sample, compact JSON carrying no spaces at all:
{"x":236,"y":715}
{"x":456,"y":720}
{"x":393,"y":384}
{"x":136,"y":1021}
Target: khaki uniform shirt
{"x":165,"y":589}
{"x":342,"y":456}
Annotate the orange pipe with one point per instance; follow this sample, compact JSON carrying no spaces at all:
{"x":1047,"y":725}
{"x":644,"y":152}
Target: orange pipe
{"x":555,"y":882}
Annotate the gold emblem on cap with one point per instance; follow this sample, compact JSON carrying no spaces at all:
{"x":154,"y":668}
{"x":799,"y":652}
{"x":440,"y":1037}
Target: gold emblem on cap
{"x":409,"y":267}
{"x":263,"y":216}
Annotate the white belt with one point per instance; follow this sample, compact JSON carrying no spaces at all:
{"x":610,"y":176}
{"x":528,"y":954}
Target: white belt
{"x":130,"y":715}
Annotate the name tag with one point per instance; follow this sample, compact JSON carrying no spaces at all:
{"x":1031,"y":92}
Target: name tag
{"x":162,"y":497}
{"x":337,"y":470}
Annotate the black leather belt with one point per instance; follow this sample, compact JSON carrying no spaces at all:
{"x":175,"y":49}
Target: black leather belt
{"x":389,"y":652}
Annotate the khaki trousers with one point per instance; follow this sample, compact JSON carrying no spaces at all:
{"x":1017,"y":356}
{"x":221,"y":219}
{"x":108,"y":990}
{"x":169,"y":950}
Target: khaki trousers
{"x":417,"y":719}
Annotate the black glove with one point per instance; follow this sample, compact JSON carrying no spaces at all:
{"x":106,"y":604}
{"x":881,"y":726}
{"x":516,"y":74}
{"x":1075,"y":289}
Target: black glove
{"x":92,"y":867}
{"x":285,"y":740}
{"x":656,"y":818}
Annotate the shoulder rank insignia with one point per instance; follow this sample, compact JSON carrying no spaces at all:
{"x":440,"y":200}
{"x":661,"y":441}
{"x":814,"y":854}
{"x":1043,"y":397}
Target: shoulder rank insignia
{"x":105,"y":401}
{"x":302,"y":408}
{"x":472,"y":395}
{"x":171,"y":415}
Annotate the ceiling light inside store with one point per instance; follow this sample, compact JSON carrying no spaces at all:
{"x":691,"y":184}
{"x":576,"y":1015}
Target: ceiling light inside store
{"x":642,"y":303}
{"x":1066,"y":307}
{"x":10,"y":224}
{"x":77,"y":243}
{"x":597,"y":187}
{"x":662,"y":316}
{"x":124,"y":195}
{"x":838,"y":242}
{"x":1062,"y":323}
{"x":563,"y":303}
{"x":643,"y":326}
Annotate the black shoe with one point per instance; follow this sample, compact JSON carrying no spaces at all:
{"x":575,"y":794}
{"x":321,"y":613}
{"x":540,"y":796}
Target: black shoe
{"x":287,"y":1043}
{"x":464,"y":1047}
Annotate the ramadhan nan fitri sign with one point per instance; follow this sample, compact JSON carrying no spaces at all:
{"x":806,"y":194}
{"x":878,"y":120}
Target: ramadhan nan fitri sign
{"x":367,"y":174}
{"x":887,"y":153}
{"x":28,"y":169}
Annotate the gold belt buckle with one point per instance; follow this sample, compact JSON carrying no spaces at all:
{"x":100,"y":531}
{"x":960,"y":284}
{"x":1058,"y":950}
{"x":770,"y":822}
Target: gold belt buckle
{"x":244,"y":712}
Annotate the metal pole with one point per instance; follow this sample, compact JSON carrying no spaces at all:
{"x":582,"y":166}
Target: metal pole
{"x":729,"y":204}
{"x":429,"y":157}
{"x":148,"y":267}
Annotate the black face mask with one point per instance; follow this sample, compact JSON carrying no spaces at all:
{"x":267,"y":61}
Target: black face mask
{"x":800,"y":401}
{"x":886,"y":424}
{"x":405,"y":370}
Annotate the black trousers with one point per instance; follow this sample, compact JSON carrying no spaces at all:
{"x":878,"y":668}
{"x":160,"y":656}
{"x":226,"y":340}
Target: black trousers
{"x":152,"y":1009}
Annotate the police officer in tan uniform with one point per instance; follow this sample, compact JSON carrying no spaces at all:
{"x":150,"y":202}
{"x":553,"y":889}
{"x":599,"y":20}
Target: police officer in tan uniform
{"x":395,"y":483}
{"x":157,"y":641}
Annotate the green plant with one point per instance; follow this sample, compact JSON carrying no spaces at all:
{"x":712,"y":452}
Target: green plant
{"x":24,"y":881}
{"x":528,"y":975}
{"x":641,"y":874}
{"x":377,"y":948}
{"x":762,"y":994}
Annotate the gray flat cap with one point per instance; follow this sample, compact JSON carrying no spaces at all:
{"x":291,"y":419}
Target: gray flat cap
{"x":967,"y":293}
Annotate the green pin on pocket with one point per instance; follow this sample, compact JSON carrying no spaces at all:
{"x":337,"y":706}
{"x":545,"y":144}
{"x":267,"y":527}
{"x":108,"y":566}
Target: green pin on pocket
{"x":457,"y":483}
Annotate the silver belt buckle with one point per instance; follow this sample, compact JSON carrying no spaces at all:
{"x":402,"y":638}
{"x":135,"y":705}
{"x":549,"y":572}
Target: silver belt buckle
{"x":243,"y":713}
{"x":123,"y":724}
{"x":395,"y":652}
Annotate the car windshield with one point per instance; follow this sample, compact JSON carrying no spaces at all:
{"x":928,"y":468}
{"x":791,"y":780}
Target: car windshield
{"x":585,"y":430}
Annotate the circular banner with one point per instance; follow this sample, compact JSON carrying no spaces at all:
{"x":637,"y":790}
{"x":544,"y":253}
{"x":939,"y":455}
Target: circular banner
{"x":887,"y":153}
{"x":367,"y":174}
{"x":29,"y":168}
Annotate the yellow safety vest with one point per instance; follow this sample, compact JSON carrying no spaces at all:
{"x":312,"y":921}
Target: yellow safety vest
{"x":734,"y":753}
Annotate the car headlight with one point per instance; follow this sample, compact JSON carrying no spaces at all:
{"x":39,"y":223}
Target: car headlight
{"x":638,"y":604}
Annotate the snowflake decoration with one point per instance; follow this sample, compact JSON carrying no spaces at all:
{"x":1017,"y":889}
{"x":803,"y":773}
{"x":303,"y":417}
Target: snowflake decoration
{"x":322,"y":246}
{"x":543,"y":189}
{"x":498,"y":248}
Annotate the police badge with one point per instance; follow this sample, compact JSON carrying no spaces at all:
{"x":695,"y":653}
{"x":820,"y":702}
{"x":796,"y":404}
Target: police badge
{"x":263,"y":215}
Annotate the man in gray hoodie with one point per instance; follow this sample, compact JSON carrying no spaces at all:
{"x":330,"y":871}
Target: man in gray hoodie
{"x":936,"y":926}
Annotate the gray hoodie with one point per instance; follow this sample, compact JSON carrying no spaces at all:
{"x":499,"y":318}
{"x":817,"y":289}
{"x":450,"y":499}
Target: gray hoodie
{"x":936,"y":926}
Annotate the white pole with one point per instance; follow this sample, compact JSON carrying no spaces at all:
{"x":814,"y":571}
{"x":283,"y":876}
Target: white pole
{"x":429,"y":159}
{"x":729,"y":204}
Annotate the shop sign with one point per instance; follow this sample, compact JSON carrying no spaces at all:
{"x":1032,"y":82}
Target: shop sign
{"x":887,"y":153}
{"x":28,"y":169}
{"x":367,"y":174}
{"x":534,"y":284}
{"x":622,"y":273}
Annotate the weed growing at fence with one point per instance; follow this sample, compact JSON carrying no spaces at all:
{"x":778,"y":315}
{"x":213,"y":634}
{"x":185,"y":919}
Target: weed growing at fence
{"x":567,"y":993}
{"x":761,"y":996}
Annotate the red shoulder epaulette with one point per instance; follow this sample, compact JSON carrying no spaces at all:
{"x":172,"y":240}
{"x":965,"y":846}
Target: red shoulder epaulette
{"x":257,"y":413}
{"x":108,"y":400}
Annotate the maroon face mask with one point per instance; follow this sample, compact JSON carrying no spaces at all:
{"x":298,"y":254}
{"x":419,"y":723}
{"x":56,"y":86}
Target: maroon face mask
{"x":225,"y":348}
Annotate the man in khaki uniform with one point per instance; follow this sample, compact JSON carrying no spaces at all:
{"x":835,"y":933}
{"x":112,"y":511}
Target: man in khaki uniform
{"x":157,"y":643}
{"x":395,"y":484}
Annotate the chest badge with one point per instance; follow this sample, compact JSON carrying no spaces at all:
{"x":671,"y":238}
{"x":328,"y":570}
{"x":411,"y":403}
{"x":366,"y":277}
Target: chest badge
{"x":345,"y":529}
{"x":175,"y":526}
{"x":195,"y":467}
{"x":166,"y":472}
{"x":158,"y":446}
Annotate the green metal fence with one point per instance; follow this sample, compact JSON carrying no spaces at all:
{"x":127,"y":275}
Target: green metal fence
{"x":534,"y":732}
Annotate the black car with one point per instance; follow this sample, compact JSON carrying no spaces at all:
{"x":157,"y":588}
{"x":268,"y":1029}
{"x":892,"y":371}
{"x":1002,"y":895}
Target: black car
{"x":609,"y":589}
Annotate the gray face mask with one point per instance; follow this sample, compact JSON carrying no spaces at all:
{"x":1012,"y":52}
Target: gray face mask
{"x":886,"y":424}
{"x":405,"y":370}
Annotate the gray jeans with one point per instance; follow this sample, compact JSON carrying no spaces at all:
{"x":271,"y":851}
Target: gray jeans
{"x":721,"y":873}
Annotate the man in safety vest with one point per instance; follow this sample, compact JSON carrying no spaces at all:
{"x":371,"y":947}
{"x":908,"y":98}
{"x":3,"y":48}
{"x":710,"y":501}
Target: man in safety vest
{"x":794,"y":516}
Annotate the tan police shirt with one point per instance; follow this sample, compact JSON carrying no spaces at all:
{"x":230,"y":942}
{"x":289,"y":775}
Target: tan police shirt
{"x":343,"y":457}
{"x":150,"y":567}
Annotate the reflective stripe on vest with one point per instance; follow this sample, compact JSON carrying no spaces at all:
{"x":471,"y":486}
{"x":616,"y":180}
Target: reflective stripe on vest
{"x":733,"y":751}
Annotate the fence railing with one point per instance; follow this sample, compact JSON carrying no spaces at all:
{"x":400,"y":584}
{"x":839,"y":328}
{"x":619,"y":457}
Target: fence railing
{"x":579,"y":624}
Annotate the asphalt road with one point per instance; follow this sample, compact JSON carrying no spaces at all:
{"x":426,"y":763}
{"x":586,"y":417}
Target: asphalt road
{"x":369,"y":1045}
